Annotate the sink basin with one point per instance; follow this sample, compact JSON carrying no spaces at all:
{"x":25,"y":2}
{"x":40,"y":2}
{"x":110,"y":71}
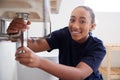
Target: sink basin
{"x":36,"y":9}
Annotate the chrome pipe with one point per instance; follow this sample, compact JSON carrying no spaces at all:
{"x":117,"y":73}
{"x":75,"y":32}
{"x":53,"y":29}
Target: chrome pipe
{"x":3,"y":34}
{"x":46,"y":15}
{"x":23,"y":35}
{"x":4,"y":37}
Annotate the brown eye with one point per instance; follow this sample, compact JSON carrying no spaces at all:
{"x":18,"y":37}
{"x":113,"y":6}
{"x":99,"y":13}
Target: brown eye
{"x":72,"y":20}
{"x":82,"y":21}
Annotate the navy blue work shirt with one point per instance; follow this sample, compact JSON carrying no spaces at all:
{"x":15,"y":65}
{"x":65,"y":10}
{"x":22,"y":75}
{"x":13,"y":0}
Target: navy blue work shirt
{"x":71,"y":53}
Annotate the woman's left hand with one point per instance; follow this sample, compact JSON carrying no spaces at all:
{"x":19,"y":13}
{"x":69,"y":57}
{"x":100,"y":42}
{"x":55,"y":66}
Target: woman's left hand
{"x":28,"y":58}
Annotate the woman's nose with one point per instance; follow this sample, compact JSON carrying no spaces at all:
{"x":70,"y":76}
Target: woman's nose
{"x":76,"y":25}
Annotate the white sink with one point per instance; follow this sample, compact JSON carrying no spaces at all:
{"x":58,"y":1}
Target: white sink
{"x":35,"y":8}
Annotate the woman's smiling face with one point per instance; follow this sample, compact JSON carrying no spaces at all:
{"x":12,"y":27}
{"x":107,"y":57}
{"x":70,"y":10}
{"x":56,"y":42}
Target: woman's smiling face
{"x":80,"y":24}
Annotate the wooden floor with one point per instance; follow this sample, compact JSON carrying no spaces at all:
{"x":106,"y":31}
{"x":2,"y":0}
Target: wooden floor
{"x":114,"y":73}
{"x":109,"y":72}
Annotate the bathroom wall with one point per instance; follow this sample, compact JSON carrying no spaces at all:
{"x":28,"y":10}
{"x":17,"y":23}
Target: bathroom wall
{"x":108,"y":30}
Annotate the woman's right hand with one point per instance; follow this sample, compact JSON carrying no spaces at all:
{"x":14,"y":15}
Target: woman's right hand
{"x":17,"y":24}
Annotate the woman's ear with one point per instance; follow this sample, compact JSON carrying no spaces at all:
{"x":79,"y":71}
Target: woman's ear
{"x":92,"y":27}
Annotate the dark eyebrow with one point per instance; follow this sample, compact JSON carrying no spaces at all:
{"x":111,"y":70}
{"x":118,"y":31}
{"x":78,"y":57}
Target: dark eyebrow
{"x":80,"y":17}
{"x":72,"y":16}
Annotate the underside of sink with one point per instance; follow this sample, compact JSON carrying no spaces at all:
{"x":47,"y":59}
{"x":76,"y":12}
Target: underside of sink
{"x":36,"y":8}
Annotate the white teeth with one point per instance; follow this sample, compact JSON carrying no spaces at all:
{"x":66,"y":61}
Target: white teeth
{"x":75,"y":32}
